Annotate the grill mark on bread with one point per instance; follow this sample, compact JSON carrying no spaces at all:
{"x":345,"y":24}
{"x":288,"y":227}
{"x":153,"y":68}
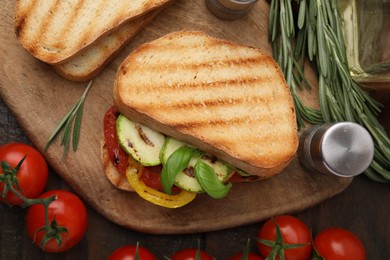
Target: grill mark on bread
{"x":210,"y":110}
{"x":37,"y":33}
{"x":182,"y":43}
{"x":94,"y":58}
{"x":231,"y":82}
{"x":73,"y":18}
{"x":191,"y":65}
{"x":20,"y":20}
{"x":20,"y":26}
{"x":269,"y":143}
{"x":215,"y":118}
{"x":182,"y":92}
{"x":208,"y":104}
{"x":70,"y":31}
{"x":216,"y":122}
{"x":226,"y":62}
{"x":218,"y":102}
{"x":43,"y":26}
{"x":82,"y":41}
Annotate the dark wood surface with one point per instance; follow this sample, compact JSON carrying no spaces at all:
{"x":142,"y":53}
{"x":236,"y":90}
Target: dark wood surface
{"x":362,"y":208}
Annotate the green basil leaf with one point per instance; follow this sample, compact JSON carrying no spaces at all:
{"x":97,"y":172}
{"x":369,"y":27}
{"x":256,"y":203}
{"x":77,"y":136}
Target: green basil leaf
{"x":176,"y":163}
{"x":209,"y":181}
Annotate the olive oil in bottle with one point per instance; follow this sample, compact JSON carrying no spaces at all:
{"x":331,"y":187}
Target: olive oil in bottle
{"x":366,"y":28}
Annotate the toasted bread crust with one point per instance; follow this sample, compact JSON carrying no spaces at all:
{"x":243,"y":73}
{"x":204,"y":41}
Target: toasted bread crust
{"x":229,"y":100}
{"x":54,"y":31}
{"x":117,"y":179}
{"x":93,"y":59}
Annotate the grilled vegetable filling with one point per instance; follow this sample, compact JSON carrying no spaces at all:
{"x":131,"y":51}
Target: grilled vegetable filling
{"x":168,"y":165}
{"x":180,"y":161}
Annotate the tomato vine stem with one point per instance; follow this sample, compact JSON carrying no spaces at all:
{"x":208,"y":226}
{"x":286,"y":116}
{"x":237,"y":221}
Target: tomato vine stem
{"x":278,"y":246}
{"x":10,"y":180}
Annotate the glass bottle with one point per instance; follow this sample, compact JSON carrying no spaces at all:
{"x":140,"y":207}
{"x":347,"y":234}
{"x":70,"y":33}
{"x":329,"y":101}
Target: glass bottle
{"x":366,"y":28}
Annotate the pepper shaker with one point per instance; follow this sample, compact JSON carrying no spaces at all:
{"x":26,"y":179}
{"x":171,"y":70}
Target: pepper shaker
{"x":344,"y":149}
{"x":230,"y":9}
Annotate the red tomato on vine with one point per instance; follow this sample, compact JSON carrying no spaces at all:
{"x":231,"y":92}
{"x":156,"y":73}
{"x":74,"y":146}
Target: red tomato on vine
{"x":293,"y":240}
{"x":131,"y":252}
{"x":191,"y":254}
{"x":246,"y":254}
{"x":30,"y":179}
{"x":66,"y":212}
{"x":338,"y":244}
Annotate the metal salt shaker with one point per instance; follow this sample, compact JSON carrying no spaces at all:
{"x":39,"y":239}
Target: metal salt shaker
{"x":344,"y":149}
{"x":230,"y":9}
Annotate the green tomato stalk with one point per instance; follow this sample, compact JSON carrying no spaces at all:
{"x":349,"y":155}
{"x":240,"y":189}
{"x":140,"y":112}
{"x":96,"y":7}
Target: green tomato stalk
{"x":278,"y":246}
{"x":10,"y":180}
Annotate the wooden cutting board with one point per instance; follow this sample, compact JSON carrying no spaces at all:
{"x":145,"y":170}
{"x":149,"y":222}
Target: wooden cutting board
{"x":39,"y":99}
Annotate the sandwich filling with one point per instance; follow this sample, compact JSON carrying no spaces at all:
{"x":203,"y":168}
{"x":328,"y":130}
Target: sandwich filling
{"x":162,"y":169}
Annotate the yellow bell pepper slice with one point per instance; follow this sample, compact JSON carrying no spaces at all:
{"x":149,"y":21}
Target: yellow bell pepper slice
{"x":155,"y":196}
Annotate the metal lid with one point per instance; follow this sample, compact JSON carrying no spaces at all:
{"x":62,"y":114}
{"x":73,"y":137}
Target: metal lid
{"x":237,"y":4}
{"x":345,"y":149}
{"x":230,"y":9}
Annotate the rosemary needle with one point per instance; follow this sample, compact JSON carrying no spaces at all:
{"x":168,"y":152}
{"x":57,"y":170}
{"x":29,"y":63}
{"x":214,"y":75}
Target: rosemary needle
{"x":72,"y":118}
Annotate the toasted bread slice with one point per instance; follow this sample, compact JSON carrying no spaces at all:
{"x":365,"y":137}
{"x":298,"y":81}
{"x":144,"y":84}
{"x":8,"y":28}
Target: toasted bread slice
{"x":92,"y":60}
{"x":54,"y":31}
{"x":226,"y":99}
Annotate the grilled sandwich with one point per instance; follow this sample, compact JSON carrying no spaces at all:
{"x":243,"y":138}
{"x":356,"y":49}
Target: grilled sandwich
{"x":91,"y":61}
{"x":226,"y":99}
{"x":54,"y":31}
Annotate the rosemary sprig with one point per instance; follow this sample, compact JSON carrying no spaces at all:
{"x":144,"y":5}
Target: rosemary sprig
{"x":320,"y":38}
{"x":290,"y":59}
{"x":72,"y":118}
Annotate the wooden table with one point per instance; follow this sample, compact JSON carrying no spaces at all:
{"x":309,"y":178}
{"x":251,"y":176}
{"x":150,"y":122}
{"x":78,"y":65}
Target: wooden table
{"x":361,"y":208}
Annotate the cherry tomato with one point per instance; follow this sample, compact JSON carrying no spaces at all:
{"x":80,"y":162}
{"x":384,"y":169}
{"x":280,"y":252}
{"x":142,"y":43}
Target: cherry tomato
{"x":69,"y":212}
{"x":251,"y":256}
{"x":293,"y":231}
{"x":245,"y":254}
{"x":129,"y":253}
{"x":338,"y":243}
{"x":190,"y":254}
{"x":32,"y":175}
